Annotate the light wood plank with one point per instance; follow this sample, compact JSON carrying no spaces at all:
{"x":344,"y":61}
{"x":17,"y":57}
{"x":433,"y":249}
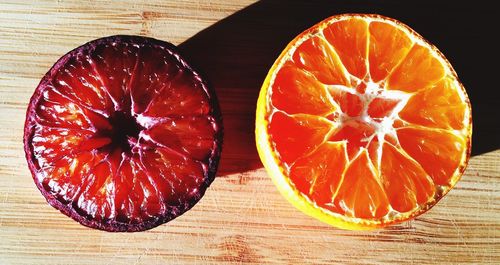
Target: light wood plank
{"x":242,"y":218}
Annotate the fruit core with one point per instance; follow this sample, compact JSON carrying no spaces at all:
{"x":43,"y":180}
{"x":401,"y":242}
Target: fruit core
{"x":125,"y":131}
{"x":368,"y":112}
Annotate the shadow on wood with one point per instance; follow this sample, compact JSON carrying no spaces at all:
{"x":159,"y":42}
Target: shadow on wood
{"x":236,"y":53}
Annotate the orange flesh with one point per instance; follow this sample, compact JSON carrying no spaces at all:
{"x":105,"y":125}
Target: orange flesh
{"x":366,"y":120}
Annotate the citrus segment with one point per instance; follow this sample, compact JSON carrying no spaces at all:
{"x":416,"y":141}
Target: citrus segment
{"x":405,"y":182}
{"x":183,"y":95}
{"x":350,"y":39}
{"x":382,"y":107}
{"x":317,"y":57}
{"x":129,"y":195}
{"x":319,"y":173}
{"x":301,"y":92}
{"x":65,"y":182}
{"x":349,"y":102}
{"x":92,"y":200}
{"x":185,"y":176}
{"x":57,"y":111}
{"x":296,"y":136}
{"x":360,"y":194}
{"x":81,"y":84}
{"x":145,"y":82}
{"x":116,"y":64}
{"x":368,"y":128}
{"x":439,"y":152}
{"x":388,"y":45}
{"x":189,"y":135}
{"x":438,"y":106}
{"x":418,"y":70}
{"x":61,"y":141}
{"x":355,"y":133}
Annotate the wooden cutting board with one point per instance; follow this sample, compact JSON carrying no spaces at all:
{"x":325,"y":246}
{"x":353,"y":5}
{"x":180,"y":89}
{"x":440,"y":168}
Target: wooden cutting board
{"x":242,"y":218}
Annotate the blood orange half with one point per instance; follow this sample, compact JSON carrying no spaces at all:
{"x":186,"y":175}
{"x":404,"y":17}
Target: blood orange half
{"x":122,"y":134}
{"x":362,"y":123}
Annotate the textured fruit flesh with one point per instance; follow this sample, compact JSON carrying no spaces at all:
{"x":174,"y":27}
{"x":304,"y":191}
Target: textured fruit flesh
{"x":366,"y":120}
{"x":123,"y":134}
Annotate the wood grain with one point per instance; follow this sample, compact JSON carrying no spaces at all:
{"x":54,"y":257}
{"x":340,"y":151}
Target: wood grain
{"x":242,"y":218}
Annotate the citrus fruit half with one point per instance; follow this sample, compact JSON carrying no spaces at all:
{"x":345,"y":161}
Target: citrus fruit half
{"x":362,"y":123}
{"x":122,"y":134}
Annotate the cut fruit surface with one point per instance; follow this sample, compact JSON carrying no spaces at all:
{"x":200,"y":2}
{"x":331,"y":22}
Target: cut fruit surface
{"x":362,"y":123}
{"x":122,"y":134}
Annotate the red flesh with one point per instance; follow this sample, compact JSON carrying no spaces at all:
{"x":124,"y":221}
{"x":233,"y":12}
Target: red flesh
{"x":122,"y":135}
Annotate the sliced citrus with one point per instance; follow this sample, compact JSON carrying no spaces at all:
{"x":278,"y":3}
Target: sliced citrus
{"x":361,"y":123}
{"x":122,"y":134}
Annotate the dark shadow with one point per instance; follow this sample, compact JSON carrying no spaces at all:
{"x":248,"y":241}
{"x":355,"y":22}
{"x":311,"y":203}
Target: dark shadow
{"x":236,"y":53}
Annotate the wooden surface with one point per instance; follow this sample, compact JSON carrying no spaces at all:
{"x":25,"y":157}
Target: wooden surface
{"x":242,"y":218}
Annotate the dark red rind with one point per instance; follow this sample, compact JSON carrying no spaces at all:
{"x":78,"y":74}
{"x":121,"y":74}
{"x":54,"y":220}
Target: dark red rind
{"x":114,"y":226}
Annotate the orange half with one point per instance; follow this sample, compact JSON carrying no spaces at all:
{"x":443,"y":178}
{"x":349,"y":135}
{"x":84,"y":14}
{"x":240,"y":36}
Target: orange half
{"x":361,"y":123}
